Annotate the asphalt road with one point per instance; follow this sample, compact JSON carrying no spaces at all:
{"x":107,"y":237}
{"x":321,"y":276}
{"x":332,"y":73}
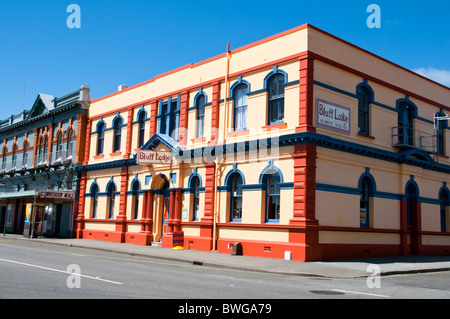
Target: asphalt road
{"x":44,"y":271}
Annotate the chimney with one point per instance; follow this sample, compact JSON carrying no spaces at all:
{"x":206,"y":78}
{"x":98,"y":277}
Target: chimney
{"x":122,"y":87}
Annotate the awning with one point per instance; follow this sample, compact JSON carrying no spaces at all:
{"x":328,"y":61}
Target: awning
{"x":67,"y":195}
{"x":11,"y":195}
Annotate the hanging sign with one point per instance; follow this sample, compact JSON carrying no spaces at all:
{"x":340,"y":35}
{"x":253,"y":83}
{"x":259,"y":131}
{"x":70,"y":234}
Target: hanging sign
{"x":333,"y":116}
{"x":145,"y":157}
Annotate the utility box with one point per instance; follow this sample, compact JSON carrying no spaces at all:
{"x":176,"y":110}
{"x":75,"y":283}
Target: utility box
{"x":237,"y":249}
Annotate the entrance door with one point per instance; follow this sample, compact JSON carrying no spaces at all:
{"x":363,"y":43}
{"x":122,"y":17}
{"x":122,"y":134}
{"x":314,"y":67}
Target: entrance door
{"x":166,"y":205}
{"x":2,"y":218}
{"x":412,"y":211}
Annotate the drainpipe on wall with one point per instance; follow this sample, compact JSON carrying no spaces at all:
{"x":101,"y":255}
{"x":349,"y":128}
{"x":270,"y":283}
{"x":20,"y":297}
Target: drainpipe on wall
{"x":218,"y":164}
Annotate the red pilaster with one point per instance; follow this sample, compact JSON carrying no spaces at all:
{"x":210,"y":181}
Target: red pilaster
{"x":81,"y":202}
{"x":87,"y":143}
{"x":306,"y":101}
{"x":153,"y":113}
{"x":215,"y":113}
{"x":147,"y":218}
{"x":183,"y":119}
{"x":129,"y":135}
{"x":306,"y":234}
{"x":121,"y":220}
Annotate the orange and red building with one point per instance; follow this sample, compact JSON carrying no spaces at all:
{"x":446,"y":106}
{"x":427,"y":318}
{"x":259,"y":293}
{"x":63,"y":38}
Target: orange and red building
{"x":299,"y":145}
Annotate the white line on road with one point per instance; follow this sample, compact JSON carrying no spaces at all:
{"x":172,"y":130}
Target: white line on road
{"x":361,"y":293}
{"x":60,"y":271}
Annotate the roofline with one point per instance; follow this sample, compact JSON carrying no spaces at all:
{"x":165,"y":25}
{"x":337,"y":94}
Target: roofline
{"x":270,"y":38}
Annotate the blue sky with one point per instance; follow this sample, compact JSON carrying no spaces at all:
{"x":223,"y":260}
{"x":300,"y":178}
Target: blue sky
{"x":131,"y":41}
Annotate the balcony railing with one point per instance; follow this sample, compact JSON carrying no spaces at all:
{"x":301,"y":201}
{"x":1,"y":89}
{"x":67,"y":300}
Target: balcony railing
{"x":407,"y":137}
{"x":21,"y":164}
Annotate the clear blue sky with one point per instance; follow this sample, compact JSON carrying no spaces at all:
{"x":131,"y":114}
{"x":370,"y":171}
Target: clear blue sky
{"x":131,"y":41}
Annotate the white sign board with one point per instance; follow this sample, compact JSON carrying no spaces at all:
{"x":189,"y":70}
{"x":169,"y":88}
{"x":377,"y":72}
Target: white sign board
{"x":153,"y":158}
{"x":333,"y":116}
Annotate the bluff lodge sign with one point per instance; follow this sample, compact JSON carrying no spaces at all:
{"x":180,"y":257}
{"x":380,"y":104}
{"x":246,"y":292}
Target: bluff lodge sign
{"x":333,"y":116}
{"x":145,"y":157}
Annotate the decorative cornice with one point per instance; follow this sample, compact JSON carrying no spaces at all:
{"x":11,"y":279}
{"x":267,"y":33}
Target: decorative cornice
{"x":413,"y":156}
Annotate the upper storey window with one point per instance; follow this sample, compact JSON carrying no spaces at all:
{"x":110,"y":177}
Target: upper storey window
{"x":240,"y":107}
{"x":274,"y":83}
{"x":169,"y":117}
{"x":117,"y":125}
{"x":100,"y":137}
{"x":365,"y":97}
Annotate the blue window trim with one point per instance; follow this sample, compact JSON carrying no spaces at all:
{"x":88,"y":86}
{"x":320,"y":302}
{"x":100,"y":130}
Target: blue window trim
{"x":267,"y":81}
{"x":136,"y":193}
{"x":101,"y":125}
{"x":169,"y":121}
{"x":233,"y":89}
{"x":197,"y":97}
{"x":270,"y":169}
{"x":368,"y":179}
{"x":228,"y":183}
{"x":117,"y":125}
{"x":194,"y":176}
{"x":364,"y":89}
{"x":444,"y":199}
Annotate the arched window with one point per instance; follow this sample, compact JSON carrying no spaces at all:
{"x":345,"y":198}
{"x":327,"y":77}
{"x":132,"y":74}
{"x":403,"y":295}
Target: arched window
{"x":406,"y":114}
{"x":364,"y":100}
{"x":44,"y":150}
{"x":135,"y":191}
{"x":272,"y":188}
{"x":200,"y":105}
{"x":100,"y":137}
{"x":236,"y":197}
{"x":195,"y":189}
{"x":240,"y":107}
{"x":4,"y":159}
{"x":94,"y":196}
{"x":111,"y":192}
{"x":441,"y":125}
{"x":367,"y":191}
{"x":59,"y":147}
{"x":141,"y":121}
{"x":444,"y":198}
{"x":70,"y":146}
{"x":117,"y":125}
{"x":276,"y":98}
{"x":14,"y":157}
{"x":25,"y":156}
{"x":412,"y":195}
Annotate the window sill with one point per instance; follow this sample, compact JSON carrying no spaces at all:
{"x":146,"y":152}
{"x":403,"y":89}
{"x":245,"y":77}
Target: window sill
{"x":99,"y":156}
{"x":238,"y":133}
{"x":366,"y":136}
{"x":198,"y":140}
{"x":115,"y":154}
{"x":276,"y":126}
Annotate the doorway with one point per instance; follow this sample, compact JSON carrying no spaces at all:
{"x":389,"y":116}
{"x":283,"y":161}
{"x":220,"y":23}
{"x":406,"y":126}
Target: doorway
{"x":165,"y":209}
{"x":412,"y":217}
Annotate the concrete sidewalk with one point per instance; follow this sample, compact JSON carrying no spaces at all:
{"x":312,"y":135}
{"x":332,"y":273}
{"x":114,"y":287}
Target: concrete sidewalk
{"x":329,"y":269}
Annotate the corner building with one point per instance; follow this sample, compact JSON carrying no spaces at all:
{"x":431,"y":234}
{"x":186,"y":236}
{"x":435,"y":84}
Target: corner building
{"x":299,"y":145}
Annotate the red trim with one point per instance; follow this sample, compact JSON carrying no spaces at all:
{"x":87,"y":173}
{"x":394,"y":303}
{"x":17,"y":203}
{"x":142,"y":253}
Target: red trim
{"x":238,"y":133}
{"x":191,"y":65}
{"x":366,"y":136}
{"x":202,"y":84}
{"x":278,"y":126}
{"x":115,"y":154}
{"x":381,"y":82}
